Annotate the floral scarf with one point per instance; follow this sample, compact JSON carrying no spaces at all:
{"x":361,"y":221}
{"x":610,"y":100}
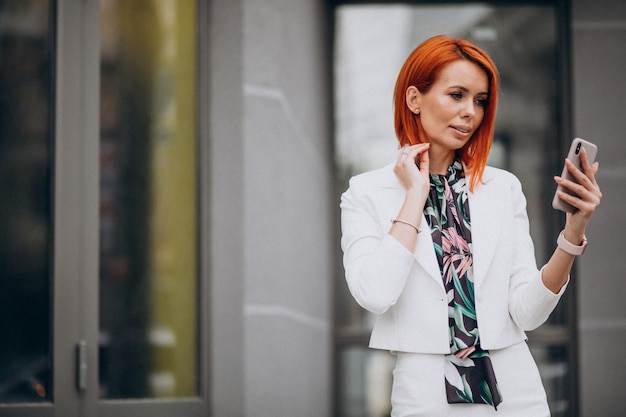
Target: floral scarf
{"x":469,"y":375}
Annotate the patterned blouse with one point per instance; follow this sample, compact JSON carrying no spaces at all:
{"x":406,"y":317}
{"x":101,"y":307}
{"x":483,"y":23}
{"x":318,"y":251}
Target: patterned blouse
{"x":469,"y":375}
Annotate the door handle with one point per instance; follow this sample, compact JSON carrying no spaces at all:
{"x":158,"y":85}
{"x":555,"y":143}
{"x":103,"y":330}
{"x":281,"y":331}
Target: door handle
{"x":81,"y":365}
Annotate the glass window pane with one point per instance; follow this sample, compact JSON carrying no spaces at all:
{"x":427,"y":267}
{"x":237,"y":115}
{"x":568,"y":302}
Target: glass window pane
{"x":366,"y":382}
{"x":553,"y":363}
{"x":26,"y":103}
{"x":148,"y":219}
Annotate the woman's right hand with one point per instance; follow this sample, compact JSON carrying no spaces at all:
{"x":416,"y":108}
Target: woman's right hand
{"x":412,"y":169}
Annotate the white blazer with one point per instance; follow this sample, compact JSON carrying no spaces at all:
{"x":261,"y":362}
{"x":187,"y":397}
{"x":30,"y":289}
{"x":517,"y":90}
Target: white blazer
{"x":405,"y":290}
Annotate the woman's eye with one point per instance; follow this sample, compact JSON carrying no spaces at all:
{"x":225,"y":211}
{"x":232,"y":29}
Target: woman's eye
{"x":482,"y":102}
{"x":456,"y":96}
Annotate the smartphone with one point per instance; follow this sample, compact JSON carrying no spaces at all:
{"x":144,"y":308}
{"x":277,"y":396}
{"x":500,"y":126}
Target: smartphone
{"x":573,"y":155}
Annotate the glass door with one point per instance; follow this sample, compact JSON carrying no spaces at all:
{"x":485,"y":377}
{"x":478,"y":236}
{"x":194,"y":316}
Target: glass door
{"x":99,"y":251}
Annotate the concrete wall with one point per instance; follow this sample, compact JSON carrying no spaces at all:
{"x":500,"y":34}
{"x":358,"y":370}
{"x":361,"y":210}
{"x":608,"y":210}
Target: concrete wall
{"x":288,"y":178}
{"x":272,"y":208}
{"x":599,"y":69}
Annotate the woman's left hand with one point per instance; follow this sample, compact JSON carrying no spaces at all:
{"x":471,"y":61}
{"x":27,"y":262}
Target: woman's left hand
{"x":586,"y":200}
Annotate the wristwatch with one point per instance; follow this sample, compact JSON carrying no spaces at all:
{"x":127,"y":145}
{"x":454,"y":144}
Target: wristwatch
{"x":569,"y":247}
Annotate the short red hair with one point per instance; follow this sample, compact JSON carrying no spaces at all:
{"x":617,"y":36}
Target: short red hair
{"x":421,"y":70}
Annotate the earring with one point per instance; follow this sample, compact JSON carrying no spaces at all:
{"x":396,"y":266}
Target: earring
{"x":416,"y":111}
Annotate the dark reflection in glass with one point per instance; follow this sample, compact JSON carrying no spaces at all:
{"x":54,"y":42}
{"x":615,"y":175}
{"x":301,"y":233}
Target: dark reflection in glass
{"x":26,"y":96}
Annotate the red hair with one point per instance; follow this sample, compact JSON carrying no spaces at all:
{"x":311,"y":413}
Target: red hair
{"x":421,"y":70}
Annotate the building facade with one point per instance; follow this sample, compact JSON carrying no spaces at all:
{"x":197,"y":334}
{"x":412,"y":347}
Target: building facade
{"x":169,"y":195}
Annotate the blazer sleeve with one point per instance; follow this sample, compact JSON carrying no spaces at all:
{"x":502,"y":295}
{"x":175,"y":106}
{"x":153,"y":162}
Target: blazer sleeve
{"x":376,"y":264}
{"x":530,"y":302}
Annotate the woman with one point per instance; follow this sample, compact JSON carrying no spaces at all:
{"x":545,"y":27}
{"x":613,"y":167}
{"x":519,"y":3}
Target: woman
{"x":453,"y":279}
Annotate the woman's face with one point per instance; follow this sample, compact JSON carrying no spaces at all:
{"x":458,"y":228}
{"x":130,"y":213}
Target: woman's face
{"x":454,"y":107}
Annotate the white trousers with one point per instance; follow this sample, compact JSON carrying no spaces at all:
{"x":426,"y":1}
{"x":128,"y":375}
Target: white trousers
{"x":419,"y":388}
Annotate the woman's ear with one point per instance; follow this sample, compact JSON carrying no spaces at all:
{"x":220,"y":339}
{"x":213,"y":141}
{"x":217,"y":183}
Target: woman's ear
{"x":413,"y":99}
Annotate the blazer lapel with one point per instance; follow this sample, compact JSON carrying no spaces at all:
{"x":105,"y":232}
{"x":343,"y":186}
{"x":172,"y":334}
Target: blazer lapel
{"x":485,"y":206}
{"x":425,"y":253}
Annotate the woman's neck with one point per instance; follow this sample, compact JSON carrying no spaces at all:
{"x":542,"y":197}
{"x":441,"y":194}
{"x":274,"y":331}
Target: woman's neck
{"x":439,"y":162}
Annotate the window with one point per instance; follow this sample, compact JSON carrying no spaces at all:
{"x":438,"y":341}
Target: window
{"x":371,"y":43}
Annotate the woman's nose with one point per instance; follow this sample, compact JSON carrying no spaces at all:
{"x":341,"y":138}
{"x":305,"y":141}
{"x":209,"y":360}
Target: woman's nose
{"x":469,"y":109}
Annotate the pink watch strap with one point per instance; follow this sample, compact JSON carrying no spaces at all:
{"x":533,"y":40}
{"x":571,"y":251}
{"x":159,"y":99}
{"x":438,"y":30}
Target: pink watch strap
{"x":569,"y":247}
